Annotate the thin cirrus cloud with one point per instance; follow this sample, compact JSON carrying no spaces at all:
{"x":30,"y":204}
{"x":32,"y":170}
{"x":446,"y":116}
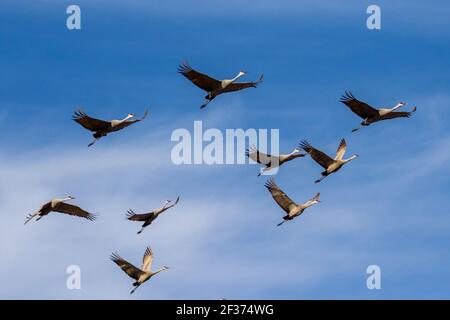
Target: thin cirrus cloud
{"x":203,"y":236}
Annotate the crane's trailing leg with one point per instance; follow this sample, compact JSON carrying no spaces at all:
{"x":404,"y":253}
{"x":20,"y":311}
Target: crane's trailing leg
{"x":364,"y":123}
{"x":205,"y":103}
{"x":31,"y":216}
{"x":321,"y":178}
{"x":136,"y":285}
{"x":95,"y":140}
{"x":261,"y":171}
{"x":281,"y":223}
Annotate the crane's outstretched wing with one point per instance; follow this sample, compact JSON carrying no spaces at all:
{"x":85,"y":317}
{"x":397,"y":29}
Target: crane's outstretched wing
{"x":398,"y":114}
{"x":74,"y":211}
{"x":260,"y":157}
{"x":127,"y":267}
{"x":199,"y":79}
{"x":321,"y":158}
{"x":139,"y":217}
{"x":341,"y":150}
{"x":129,"y":122}
{"x":89,"y":123}
{"x":236,"y":86}
{"x":279,"y":196}
{"x":362,"y":109}
{"x":147,"y":260}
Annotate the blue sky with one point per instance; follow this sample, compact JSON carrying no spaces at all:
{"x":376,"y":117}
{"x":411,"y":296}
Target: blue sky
{"x":390,"y":207}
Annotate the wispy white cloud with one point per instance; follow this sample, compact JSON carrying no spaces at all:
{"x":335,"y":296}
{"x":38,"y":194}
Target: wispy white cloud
{"x":216,"y":247}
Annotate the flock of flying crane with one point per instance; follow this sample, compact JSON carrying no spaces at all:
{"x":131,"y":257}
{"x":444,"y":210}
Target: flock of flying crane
{"x":213,"y":87}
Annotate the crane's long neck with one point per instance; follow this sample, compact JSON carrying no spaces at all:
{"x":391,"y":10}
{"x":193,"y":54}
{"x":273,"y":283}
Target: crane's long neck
{"x":115,"y":123}
{"x":350,"y":159}
{"x":126,"y":118}
{"x":240,"y":74}
{"x":398,"y":105}
{"x":159,"y":270}
{"x":165,"y":205}
{"x":309,"y":203}
{"x":226,"y":83}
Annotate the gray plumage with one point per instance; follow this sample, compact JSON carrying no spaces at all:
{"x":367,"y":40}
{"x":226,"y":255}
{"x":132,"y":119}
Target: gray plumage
{"x":329,"y":164}
{"x":149,"y":217}
{"x":102,"y":128}
{"x":270,"y":161}
{"x":212,"y":86}
{"x":292,"y":209}
{"x":140,"y":275}
{"x":60,"y":205}
{"x":370,"y":114}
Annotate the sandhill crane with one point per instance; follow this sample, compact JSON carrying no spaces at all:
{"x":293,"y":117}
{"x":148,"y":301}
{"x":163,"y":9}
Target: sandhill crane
{"x":330,"y":165}
{"x":102,"y":128}
{"x":212,"y":86}
{"x":149,"y":217}
{"x":60,"y":205}
{"x":372,"y":115}
{"x":270,"y":161}
{"x":290,"y":207}
{"x":140,"y":275}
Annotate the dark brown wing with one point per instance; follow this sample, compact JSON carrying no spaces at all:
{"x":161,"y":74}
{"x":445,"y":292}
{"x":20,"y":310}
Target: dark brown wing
{"x":199,"y":79}
{"x":89,"y":123}
{"x":127,"y":267}
{"x":236,"y":86}
{"x":43,"y":210}
{"x":362,"y":109}
{"x":258,"y":156}
{"x":399,"y":114}
{"x":279,"y":196}
{"x":129,"y":122}
{"x":139,"y":217}
{"x":318,"y":156}
{"x":74,"y":211}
